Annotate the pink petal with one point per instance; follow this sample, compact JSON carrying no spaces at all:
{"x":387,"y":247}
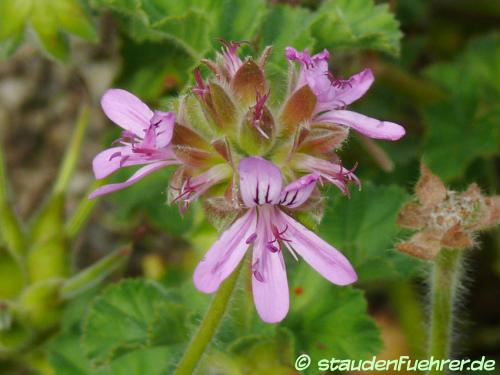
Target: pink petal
{"x":126,"y":110}
{"x":165,"y":122}
{"x":356,"y":87}
{"x":110,"y":160}
{"x":269,"y":280}
{"x":299,"y":191}
{"x":260,"y":181}
{"x":225,"y":254}
{"x":324,"y":258}
{"x":368,"y":126}
{"x":144,"y":171}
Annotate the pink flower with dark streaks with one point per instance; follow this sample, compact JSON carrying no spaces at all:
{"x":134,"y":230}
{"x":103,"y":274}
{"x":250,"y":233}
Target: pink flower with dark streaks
{"x":145,"y":140}
{"x":334,"y":95}
{"x":268,"y":229}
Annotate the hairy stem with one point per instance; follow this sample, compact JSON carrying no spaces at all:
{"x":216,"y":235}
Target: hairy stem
{"x":445,"y":282}
{"x":208,"y":326}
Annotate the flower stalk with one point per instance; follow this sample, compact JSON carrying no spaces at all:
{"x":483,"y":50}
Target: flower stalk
{"x":445,"y":285}
{"x":208,"y":326}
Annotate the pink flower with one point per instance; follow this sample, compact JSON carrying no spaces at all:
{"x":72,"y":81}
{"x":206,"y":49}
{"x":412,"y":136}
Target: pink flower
{"x":191,"y":188}
{"x":267,"y":228}
{"x":334,"y":95}
{"x":332,"y":172}
{"x":145,"y":140}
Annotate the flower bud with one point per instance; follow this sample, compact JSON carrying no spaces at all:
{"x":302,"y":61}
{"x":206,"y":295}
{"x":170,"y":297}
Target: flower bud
{"x":248,"y":80}
{"x":298,"y":108}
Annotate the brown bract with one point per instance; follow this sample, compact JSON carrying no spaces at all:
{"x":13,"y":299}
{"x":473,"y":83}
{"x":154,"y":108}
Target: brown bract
{"x":445,"y":218}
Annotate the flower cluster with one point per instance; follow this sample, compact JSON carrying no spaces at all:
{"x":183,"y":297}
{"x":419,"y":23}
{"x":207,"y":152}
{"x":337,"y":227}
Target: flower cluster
{"x":256,"y":166}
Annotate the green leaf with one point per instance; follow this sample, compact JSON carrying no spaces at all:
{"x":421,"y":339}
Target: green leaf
{"x":94,"y":274}
{"x":273,"y":354}
{"x":11,"y":275}
{"x":67,"y":358}
{"x":72,"y":18}
{"x":49,"y":18}
{"x":44,"y":21}
{"x":464,"y":126}
{"x":131,"y":316}
{"x":147,"y":67}
{"x":336,"y":324}
{"x":364,"y":229}
{"x":356,"y":24}
{"x":244,"y":16}
{"x":195,"y":25}
{"x":13,"y":14}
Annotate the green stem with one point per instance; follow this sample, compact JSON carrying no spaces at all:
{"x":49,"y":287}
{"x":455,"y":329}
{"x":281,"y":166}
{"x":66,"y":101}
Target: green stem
{"x":208,"y":326}
{"x":79,"y":218}
{"x":73,"y":152}
{"x":445,"y":282}
{"x":11,"y":230}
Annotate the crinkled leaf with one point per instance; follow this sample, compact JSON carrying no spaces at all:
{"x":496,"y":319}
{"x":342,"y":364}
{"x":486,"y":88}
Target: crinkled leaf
{"x":356,"y":24}
{"x":464,"y":126}
{"x":364,"y":229}
{"x":67,"y":358}
{"x":133,"y":316}
{"x":195,"y":25}
{"x":238,"y":20}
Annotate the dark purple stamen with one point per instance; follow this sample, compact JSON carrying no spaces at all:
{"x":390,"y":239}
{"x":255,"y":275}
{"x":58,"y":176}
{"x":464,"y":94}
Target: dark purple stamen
{"x":115,"y":155}
{"x":272,"y":248}
{"x":258,"y":276}
{"x":258,"y":111}
{"x":339,"y":83}
{"x":278,"y":236}
{"x":251,"y":239}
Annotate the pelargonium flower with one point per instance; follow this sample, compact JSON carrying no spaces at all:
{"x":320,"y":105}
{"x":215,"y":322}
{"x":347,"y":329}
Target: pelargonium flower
{"x":234,"y":145}
{"x":267,"y":228}
{"x":145,"y":140}
{"x":334,"y":95}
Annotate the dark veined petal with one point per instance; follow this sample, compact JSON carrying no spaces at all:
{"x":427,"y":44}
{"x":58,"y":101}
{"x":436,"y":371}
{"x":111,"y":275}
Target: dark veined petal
{"x":355,"y":87}
{"x":165,"y":122}
{"x":299,"y":191}
{"x":260,"y":181}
